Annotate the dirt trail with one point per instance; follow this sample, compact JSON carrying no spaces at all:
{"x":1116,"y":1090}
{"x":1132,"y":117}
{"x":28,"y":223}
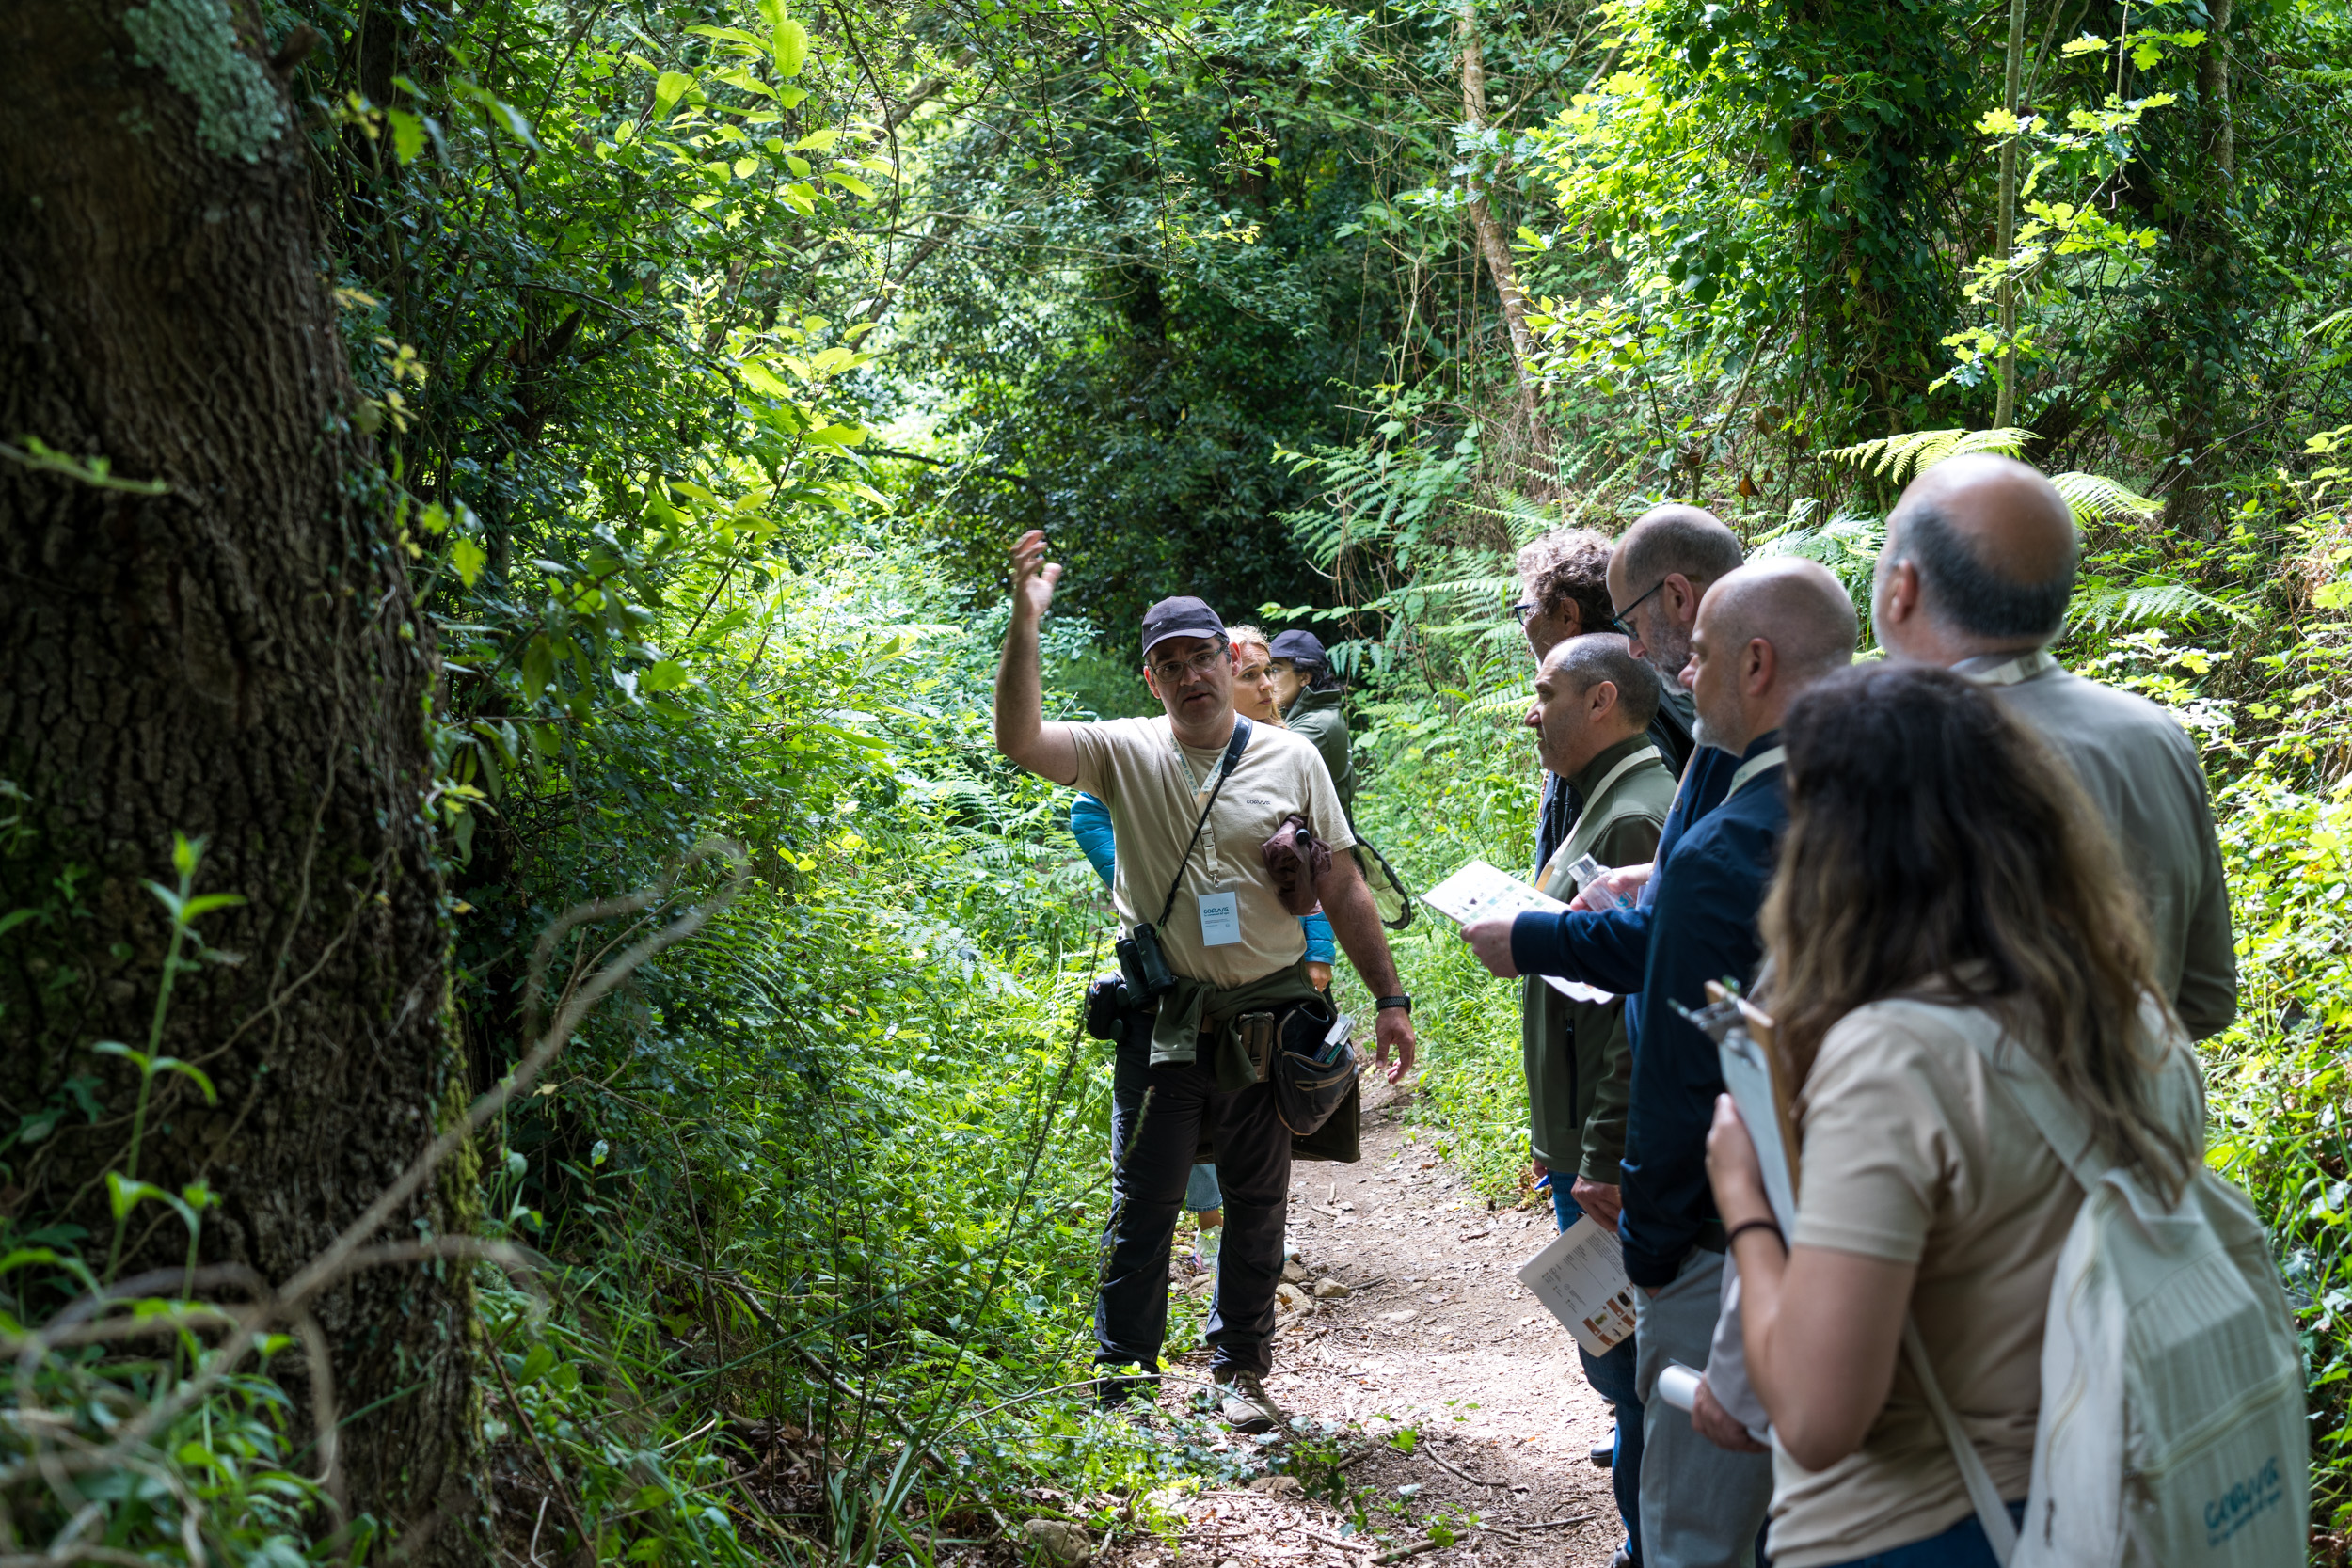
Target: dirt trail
{"x":1436,"y":1334}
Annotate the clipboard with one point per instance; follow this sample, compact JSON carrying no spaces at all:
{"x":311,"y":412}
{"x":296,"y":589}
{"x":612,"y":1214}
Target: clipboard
{"x":1748,"y":1050}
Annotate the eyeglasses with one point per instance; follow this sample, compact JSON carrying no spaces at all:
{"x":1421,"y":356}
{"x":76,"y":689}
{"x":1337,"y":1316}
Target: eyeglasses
{"x":1525,"y":608}
{"x":1174,"y":670}
{"x":1621,"y":621}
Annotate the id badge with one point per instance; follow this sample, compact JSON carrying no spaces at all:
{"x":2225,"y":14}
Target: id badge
{"x":1220,"y":918}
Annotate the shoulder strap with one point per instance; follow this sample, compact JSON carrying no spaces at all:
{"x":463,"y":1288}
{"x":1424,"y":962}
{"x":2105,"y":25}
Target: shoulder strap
{"x":1234,"y":749}
{"x":2064,"y":1129}
{"x":2029,"y":1084}
{"x":1762,"y":763}
{"x":2000,"y":1531}
{"x":1574,"y":838}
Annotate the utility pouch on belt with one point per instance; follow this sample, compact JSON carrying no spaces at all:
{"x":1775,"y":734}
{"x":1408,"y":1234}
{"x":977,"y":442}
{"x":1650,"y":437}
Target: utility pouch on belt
{"x":1257,"y":1040}
{"x":1314,"y":1073}
{"x":1106,"y":1006}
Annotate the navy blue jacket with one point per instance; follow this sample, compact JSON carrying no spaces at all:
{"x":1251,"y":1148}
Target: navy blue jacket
{"x":1697,"y":924}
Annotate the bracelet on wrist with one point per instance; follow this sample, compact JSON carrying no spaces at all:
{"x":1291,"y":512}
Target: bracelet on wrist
{"x":1383,"y":1004}
{"x":1766,"y":1222}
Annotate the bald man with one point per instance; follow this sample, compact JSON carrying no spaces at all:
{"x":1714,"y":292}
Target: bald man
{"x":1762,"y":634}
{"x":1977,"y":567}
{"x":1661,"y":568}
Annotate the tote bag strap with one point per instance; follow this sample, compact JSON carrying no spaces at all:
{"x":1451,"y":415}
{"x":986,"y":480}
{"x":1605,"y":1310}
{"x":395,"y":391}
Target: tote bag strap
{"x":1993,"y":1513}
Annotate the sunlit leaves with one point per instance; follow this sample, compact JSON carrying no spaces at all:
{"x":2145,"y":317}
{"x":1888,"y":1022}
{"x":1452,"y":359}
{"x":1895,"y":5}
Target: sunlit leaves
{"x":668,"y":88}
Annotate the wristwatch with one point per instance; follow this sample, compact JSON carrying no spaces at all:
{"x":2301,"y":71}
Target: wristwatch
{"x":1382,"y":1005}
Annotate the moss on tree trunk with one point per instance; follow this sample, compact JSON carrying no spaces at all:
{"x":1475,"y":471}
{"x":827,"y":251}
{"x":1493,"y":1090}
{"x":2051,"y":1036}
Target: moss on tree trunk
{"x":236,"y":659}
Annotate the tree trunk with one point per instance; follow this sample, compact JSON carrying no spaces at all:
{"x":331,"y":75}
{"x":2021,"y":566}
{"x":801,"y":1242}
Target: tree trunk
{"x":1493,"y":243}
{"x":2209,"y":331}
{"x":238,"y":658}
{"x":2213,"y":93}
{"x":2005,"y":403}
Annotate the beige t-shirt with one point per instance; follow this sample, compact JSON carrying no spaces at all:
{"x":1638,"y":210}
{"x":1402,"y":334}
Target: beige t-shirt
{"x":1912,"y":1154}
{"x":1155,"y":791}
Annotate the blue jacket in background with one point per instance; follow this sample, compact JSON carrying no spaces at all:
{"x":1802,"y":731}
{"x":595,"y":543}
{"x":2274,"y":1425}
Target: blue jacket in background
{"x":1696,"y":924}
{"x":1091,"y":825}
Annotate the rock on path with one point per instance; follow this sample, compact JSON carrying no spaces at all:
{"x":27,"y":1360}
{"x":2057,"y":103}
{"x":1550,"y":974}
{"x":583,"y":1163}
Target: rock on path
{"x":1434,"y":1333}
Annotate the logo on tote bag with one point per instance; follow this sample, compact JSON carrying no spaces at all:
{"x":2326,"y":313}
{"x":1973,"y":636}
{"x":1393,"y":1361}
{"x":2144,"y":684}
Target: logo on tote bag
{"x":2225,"y":1515}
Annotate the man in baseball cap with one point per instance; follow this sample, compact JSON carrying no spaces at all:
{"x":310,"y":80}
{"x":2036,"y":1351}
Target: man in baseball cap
{"x":1194,"y":796}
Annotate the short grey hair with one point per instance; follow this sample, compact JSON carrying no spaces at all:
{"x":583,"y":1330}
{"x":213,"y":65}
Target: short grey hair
{"x":1686,"y":539}
{"x":1971,"y":593}
{"x":1604,"y":656}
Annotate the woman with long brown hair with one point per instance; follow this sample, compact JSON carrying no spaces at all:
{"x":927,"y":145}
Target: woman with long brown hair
{"x":1943,"y":881}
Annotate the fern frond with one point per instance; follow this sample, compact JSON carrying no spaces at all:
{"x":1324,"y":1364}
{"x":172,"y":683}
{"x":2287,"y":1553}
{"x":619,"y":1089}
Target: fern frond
{"x":2097,"y":499}
{"x":1848,"y":545}
{"x":1510,"y":697}
{"x":1917,"y":450}
{"x":2147,"y":601}
{"x":1524,"y":520}
{"x":1500,"y":584}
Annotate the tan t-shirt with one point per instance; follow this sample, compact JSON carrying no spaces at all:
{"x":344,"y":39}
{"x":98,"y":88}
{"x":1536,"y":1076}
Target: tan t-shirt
{"x":1156,"y":790}
{"x":1911,"y":1153}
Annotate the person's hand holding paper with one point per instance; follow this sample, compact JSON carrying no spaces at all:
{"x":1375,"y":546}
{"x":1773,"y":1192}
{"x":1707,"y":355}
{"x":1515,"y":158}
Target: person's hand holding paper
{"x":1490,"y":942}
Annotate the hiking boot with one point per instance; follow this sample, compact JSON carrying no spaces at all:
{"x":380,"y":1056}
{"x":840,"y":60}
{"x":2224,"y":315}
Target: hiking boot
{"x":1246,"y":1405}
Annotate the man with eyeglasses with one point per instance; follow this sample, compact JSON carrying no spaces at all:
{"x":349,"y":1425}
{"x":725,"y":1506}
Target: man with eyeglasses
{"x":1191,"y":819}
{"x":1660,"y":569}
{"x":1563,"y":593}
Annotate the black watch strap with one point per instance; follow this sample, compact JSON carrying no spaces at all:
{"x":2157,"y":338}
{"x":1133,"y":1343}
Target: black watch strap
{"x":1381,"y":1004}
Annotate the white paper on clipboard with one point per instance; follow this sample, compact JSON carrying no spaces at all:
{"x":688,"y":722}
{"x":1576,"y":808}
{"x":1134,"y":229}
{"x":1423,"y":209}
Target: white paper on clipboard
{"x":1750,"y":1081}
{"x":1479,"y":892}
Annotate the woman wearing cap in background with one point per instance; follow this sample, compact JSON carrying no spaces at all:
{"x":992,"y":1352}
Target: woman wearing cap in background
{"x":1256,"y":695}
{"x":1308,"y":695}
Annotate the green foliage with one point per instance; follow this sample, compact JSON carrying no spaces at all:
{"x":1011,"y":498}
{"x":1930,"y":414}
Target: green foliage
{"x":715,"y":354}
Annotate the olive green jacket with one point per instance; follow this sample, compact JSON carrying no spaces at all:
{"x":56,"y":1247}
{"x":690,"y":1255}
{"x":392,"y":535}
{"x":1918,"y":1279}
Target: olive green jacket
{"x":1579,"y":1062}
{"x":1316,"y":715}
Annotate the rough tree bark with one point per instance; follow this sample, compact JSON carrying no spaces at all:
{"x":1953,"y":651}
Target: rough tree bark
{"x":238,"y":658}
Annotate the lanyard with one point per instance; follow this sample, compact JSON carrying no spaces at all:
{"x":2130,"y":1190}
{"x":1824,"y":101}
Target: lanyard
{"x":2025,"y":667}
{"x":1757,"y":763}
{"x":1224,"y":771}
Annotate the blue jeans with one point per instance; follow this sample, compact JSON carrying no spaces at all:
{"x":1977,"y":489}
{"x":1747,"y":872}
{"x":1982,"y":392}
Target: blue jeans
{"x":1962,"y":1546}
{"x":1613,"y":1377}
{"x":1201,"y":1191}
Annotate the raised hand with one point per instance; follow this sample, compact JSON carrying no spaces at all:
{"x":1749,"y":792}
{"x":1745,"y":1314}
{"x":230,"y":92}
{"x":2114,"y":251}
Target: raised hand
{"x":1033,"y":576}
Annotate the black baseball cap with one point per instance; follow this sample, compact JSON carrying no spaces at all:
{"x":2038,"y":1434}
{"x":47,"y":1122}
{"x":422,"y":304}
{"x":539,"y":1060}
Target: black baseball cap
{"x":1182,"y":617}
{"x":1299,"y":647}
